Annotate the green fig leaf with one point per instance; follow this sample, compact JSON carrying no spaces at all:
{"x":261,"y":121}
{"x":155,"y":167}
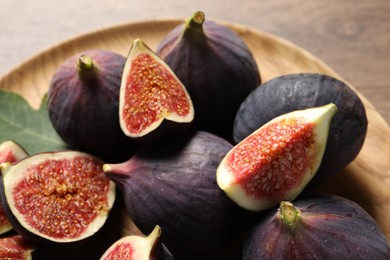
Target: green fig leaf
{"x":30,"y":128}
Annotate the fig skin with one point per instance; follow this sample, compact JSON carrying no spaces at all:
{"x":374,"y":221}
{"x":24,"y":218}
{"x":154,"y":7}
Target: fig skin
{"x":217,"y":68}
{"x":324,"y":227}
{"x":18,"y":180}
{"x":83,"y":103}
{"x":291,"y":92}
{"x":172,"y":184}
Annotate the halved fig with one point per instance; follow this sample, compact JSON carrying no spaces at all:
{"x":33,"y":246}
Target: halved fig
{"x":137,"y":247}
{"x":10,"y":151}
{"x":56,"y":197}
{"x":153,"y":101}
{"x":317,"y":227}
{"x":15,"y":247}
{"x":278,"y":160}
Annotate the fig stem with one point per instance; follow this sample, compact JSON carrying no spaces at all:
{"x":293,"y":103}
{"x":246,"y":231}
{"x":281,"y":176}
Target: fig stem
{"x":85,"y":63}
{"x":289,"y":213}
{"x":196,"y":20}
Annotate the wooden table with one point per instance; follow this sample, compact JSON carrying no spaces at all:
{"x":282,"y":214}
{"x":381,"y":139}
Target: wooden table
{"x":352,"y":37}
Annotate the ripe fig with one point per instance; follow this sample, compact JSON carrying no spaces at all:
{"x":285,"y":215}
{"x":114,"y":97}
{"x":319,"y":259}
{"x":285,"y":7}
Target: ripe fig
{"x":320,"y":227}
{"x":10,"y":151}
{"x":136,"y":247}
{"x":217,"y":68}
{"x":83,"y":103}
{"x":15,"y":247}
{"x":153,"y":102}
{"x":56,"y":198}
{"x":278,"y":160}
{"x":172,"y":184}
{"x":291,"y":92}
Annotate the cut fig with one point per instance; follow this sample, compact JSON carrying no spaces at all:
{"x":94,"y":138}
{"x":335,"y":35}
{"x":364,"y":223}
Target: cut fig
{"x":217,"y":68}
{"x":172,"y":184}
{"x":56,"y":197}
{"x":137,"y":247}
{"x":15,"y":247}
{"x":317,"y":227}
{"x":278,"y":160}
{"x":298,"y":91}
{"x":9,"y":152}
{"x":83,"y":101}
{"x":153,"y":101}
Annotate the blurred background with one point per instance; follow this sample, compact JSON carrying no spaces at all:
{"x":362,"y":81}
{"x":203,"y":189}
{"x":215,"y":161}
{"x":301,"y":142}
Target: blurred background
{"x":351,"y":36}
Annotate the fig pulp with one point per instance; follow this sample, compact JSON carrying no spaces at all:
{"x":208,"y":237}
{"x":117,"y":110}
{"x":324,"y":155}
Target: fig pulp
{"x":9,"y":152}
{"x":292,"y":92}
{"x":320,"y":227}
{"x":217,"y":68}
{"x":172,"y":184}
{"x":83,"y":102}
{"x":15,"y":247}
{"x":136,"y":247}
{"x":56,"y":197}
{"x":278,"y":160}
{"x":153,"y":102}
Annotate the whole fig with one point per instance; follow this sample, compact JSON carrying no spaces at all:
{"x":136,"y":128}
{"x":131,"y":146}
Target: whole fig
{"x":172,"y":184}
{"x":83,"y":103}
{"x":291,"y":92}
{"x":317,"y":227}
{"x":217,"y":68}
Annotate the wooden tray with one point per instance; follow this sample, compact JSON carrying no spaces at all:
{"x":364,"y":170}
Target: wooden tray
{"x":366,"y":180}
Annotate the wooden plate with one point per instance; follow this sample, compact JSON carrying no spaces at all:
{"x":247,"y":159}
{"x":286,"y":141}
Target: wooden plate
{"x":366,"y":180}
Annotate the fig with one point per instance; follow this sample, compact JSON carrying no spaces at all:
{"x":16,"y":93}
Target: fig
{"x":56,"y":198}
{"x":10,"y":151}
{"x":15,"y":247}
{"x":278,"y":160}
{"x":172,"y":184}
{"x":317,"y":227}
{"x":153,"y":102}
{"x":217,"y":68}
{"x":291,"y":92}
{"x":137,"y":247}
{"x":83,"y":103}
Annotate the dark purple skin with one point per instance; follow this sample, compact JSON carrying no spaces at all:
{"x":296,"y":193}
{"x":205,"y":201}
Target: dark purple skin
{"x":217,"y":68}
{"x":331,"y":228}
{"x":83,"y":106}
{"x":291,"y":92}
{"x":173,"y":184}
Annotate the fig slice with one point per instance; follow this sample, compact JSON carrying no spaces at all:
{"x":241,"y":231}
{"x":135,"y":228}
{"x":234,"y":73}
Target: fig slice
{"x":278,"y":160}
{"x":152,"y":102}
{"x":10,"y":151}
{"x":56,"y":197}
{"x":138,"y":247}
{"x":15,"y":247}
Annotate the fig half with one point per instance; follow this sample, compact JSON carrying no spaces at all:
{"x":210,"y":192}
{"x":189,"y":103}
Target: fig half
{"x":172,"y":184}
{"x":153,"y":101}
{"x":137,"y":247}
{"x":278,"y":160}
{"x":16,"y":247}
{"x":10,"y":151}
{"x":317,"y":227}
{"x":56,"y":198}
